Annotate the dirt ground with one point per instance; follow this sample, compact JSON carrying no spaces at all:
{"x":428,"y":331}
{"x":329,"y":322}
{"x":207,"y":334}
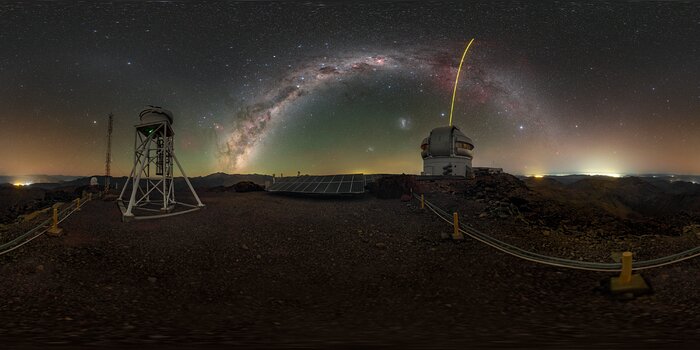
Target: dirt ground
{"x":260,"y":270}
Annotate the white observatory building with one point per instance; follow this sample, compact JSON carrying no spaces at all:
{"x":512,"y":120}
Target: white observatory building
{"x":447,"y":152}
{"x":152,"y":186}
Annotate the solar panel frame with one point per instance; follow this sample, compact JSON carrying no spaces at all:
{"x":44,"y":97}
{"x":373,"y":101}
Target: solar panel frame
{"x":321,"y":188}
{"x":358,"y":185}
{"x":321,"y":184}
{"x":287,"y":186}
{"x":310,"y":186}
{"x":332,"y":187}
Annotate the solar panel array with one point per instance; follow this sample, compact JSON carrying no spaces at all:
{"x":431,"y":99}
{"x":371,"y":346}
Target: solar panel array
{"x":327,"y":184}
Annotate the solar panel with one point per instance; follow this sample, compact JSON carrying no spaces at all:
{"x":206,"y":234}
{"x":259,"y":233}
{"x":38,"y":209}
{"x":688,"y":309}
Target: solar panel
{"x":326,"y":184}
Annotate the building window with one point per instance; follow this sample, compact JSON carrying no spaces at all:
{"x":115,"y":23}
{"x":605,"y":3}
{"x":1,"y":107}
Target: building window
{"x":464,"y":145}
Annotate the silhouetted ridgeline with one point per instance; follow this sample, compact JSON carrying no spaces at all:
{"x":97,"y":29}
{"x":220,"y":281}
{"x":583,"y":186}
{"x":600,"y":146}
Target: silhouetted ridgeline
{"x":625,"y":196}
{"x":60,"y":182}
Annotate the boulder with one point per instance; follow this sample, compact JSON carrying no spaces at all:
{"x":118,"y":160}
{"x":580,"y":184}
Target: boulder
{"x":392,"y":187}
{"x":247,"y":186}
{"x":692,"y":230}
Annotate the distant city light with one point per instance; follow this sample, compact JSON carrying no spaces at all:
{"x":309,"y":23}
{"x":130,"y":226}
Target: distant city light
{"x":603,"y":174}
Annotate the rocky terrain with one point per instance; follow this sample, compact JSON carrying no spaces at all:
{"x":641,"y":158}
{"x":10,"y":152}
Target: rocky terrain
{"x":601,"y":214}
{"x":261,"y":270}
{"x":16,"y":201}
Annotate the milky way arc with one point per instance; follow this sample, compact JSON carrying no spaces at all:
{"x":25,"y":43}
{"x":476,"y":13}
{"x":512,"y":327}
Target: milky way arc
{"x":254,"y":121}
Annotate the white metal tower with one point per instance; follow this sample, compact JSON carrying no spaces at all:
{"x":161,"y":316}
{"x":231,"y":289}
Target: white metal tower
{"x":152,"y":186}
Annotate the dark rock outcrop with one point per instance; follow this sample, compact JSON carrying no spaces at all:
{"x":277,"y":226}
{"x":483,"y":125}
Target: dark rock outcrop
{"x":393,"y":187}
{"x":247,"y":186}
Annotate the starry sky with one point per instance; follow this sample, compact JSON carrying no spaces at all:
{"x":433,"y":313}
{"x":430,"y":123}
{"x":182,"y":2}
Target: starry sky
{"x":329,"y":87}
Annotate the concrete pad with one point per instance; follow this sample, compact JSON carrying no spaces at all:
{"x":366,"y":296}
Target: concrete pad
{"x":637,"y":285}
{"x":55,"y":232}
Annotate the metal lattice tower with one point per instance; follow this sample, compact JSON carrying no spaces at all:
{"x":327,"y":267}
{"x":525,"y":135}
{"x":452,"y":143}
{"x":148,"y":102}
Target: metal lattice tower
{"x":152,"y":185}
{"x":108,"y":162}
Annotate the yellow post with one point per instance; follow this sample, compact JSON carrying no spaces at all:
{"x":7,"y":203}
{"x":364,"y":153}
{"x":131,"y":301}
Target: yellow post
{"x":456,"y":234}
{"x":77,"y":203}
{"x":422,"y":201}
{"x":54,"y":225}
{"x":627,"y":282}
{"x":626,"y":273}
{"x":54,"y":230}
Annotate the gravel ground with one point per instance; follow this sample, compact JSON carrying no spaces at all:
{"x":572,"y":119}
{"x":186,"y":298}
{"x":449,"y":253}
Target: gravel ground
{"x":259,"y":270}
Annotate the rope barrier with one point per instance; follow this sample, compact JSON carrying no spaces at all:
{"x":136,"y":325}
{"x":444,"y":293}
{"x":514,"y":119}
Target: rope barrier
{"x":554,"y":261}
{"x":41,"y":228}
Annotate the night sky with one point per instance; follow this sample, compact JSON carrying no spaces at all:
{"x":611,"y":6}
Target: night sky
{"x":324,"y":88}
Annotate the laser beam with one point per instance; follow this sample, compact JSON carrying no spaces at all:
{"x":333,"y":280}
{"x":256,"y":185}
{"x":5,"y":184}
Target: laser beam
{"x":454,"y":92}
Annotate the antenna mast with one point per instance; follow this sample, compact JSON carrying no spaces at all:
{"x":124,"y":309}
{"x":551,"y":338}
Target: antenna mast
{"x":108,"y":161}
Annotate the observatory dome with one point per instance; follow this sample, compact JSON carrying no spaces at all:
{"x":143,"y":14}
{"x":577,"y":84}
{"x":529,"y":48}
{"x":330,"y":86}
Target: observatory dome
{"x":447,"y":141}
{"x":447,"y":151}
{"x":154,"y":114}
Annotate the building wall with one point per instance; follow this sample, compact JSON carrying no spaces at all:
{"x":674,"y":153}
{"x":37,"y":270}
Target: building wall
{"x":460,"y":166}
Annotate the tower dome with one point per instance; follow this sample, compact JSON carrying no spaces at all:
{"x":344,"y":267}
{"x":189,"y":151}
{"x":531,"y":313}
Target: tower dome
{"x":155,"y":114}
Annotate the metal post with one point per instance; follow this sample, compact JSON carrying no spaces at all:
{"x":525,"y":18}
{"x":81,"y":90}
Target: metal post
{"x":136,"y":157}
{"x":166,"y":192}
{"x":135,"y":186}
{"x":456,"y":234}
{"x":187,"y":180}
{"x":77,"y":203}
{"x":143,"y":158}
{"x":626,"y":273}
{"x":147,"y":172}
{"x":54,"y":225}
{"x":54,"y":230}
{"x":422,"y":201}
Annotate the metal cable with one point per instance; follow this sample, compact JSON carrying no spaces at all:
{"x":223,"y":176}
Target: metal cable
{"x":61,"y":217}
{"x":474,"y":232}
{"x":559,"y":262}
{"x":523,"y":256}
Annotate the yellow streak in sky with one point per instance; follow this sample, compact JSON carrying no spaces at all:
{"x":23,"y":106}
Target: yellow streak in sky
{"x":454,"y":92}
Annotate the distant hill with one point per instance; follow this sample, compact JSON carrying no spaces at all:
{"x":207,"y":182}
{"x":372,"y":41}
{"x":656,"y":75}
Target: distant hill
{"x":36,"y":179}
{"x":656,"y":179}
{"x":623,"y":197}
{"x":222,"y":179}
{"x":61,"y":182}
